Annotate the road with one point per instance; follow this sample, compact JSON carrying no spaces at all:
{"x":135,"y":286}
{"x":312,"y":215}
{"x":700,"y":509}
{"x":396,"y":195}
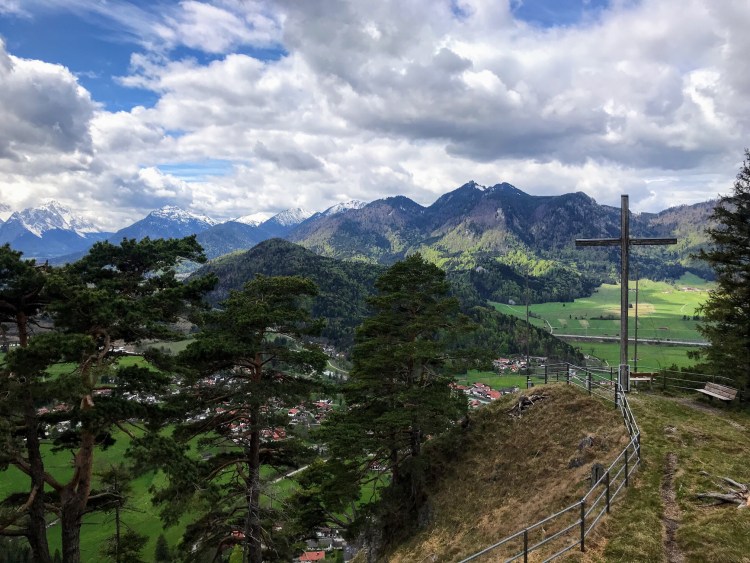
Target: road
{"x":661,"y":341}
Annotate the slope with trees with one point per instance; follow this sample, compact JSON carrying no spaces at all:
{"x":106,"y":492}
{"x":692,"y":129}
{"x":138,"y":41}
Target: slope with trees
{"x":342,"y":286}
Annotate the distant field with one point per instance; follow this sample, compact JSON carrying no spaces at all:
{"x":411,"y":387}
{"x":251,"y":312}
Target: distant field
{"x":491,"y":378}
{"x":665,"y":312}
{"x":651,"y":357}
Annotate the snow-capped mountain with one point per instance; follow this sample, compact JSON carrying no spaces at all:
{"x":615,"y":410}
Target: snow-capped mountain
{"x":167,"y":222}
{"x":290,"y":217}
{"x":51,"y":215}
{"x":48,"y":230}
{"x":280,"y":224}
{"x":177,"y":215}
{"x":254,"y":219}
{"x":342,"y":207}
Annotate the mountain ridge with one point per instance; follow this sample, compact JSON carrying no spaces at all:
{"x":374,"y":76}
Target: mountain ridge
{"x":463,"y":228}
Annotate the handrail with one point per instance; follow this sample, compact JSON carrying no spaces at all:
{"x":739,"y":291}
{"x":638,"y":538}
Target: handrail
{"x":628,"y":459}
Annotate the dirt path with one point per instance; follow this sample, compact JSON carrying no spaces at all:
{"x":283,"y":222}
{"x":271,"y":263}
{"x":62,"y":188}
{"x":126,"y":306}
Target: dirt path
{"x":671,"y":515}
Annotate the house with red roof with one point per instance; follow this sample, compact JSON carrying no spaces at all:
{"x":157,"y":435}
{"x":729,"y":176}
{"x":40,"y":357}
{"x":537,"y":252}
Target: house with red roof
{"x":312,"y":556}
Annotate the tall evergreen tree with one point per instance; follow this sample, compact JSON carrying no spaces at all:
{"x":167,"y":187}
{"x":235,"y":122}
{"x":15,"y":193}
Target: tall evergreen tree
{"x":397,"y":396}
{"x":248,"y":366}
{"x":115,"y":293}
{"x":22,"y":300}
{"x":727,"y":311}
{"x":162,"y":553}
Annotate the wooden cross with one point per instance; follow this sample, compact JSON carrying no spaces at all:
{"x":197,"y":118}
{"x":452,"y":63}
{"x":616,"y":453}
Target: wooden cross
{"x":624,"y":242}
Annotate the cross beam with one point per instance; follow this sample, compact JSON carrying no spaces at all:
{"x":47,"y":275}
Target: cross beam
{"x":624,"y":242}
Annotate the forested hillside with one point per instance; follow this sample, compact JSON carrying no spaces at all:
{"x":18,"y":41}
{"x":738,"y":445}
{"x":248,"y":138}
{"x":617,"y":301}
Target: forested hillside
{"x":344,"y":287}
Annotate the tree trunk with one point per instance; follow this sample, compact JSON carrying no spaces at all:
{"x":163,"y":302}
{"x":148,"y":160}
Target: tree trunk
{"x":253,"y":552}
{"x":415,"y":439}
{"x":22,"y":322}
{"x":37,"y":528}
{"x":74,"y":497}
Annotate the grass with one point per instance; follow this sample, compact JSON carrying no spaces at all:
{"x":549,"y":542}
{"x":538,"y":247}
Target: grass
{"x":665,"y":312}
{"x":651,"y":358}
{"x":491,"y":378}
{"x":703,"y":438}
{"x":501,"y":473}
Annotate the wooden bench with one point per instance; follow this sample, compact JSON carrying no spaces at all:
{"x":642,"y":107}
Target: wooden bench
{"x":719,"y":391}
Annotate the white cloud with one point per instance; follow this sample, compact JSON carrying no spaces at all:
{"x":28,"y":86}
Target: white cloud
{"x":11,"y":7}
{"x":378,"y":98}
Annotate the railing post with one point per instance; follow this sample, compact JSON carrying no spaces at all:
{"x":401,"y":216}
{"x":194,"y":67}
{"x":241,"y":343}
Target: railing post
{"x":638,"y":446}
{"x":583,"y":525}
{"x":526,"y":545}
{"x":617,"y":394}
{"x":545,"y":374}
{"x":607,"y":483}
{"x":528,"y":382}
{"x":588,"y":383}
{"x":627,"y":454}
{"x":567,"y":375}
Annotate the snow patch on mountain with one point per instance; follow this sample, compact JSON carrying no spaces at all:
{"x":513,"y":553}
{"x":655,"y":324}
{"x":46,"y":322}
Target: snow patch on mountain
{"x":290,"y":217}
{"x":254,"y":219}
{"x":177,"y":215}
{"x":341,"y":207}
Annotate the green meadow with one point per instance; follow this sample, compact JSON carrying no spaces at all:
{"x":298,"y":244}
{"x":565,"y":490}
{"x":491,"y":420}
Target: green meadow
{"x":667,"y":312}
{"x":491,"y":378}
{"x":139,"y":513}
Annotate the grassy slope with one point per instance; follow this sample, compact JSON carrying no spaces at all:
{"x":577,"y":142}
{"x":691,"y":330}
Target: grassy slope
{"x":715,"y":440}
{"x":504,"y":473}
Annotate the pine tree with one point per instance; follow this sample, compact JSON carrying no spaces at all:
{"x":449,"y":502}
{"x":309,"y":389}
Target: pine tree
{"x":22,"y":301}
{"x":124,"y":292}
{"x":161,"y":551}
{"x":726,"y":313}
{"x":249,"y":364}
{"x":397,"y":396}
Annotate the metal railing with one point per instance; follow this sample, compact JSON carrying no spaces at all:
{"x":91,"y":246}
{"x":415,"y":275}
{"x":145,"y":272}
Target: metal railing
{"x":685,"y":380}
{"x":567,"y":529}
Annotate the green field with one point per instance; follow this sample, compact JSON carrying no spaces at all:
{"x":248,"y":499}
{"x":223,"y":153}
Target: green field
{"x":491,"y":378}
{"x":651,"y":357}
{"x":666,"y":312}
{"x":139,"y":514}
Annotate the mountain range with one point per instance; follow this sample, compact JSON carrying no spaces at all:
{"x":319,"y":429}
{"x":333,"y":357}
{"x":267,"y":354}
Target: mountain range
{"x":471,"y":227}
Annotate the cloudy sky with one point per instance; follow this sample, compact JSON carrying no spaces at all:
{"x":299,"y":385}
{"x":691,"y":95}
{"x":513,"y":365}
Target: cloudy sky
{"x":231,"y":107}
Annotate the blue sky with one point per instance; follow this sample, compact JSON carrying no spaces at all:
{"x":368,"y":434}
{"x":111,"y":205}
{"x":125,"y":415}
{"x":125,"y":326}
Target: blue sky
{"x":232,"y":107}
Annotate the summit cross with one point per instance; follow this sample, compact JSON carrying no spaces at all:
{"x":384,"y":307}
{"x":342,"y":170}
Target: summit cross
{"x":624,"y":242}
